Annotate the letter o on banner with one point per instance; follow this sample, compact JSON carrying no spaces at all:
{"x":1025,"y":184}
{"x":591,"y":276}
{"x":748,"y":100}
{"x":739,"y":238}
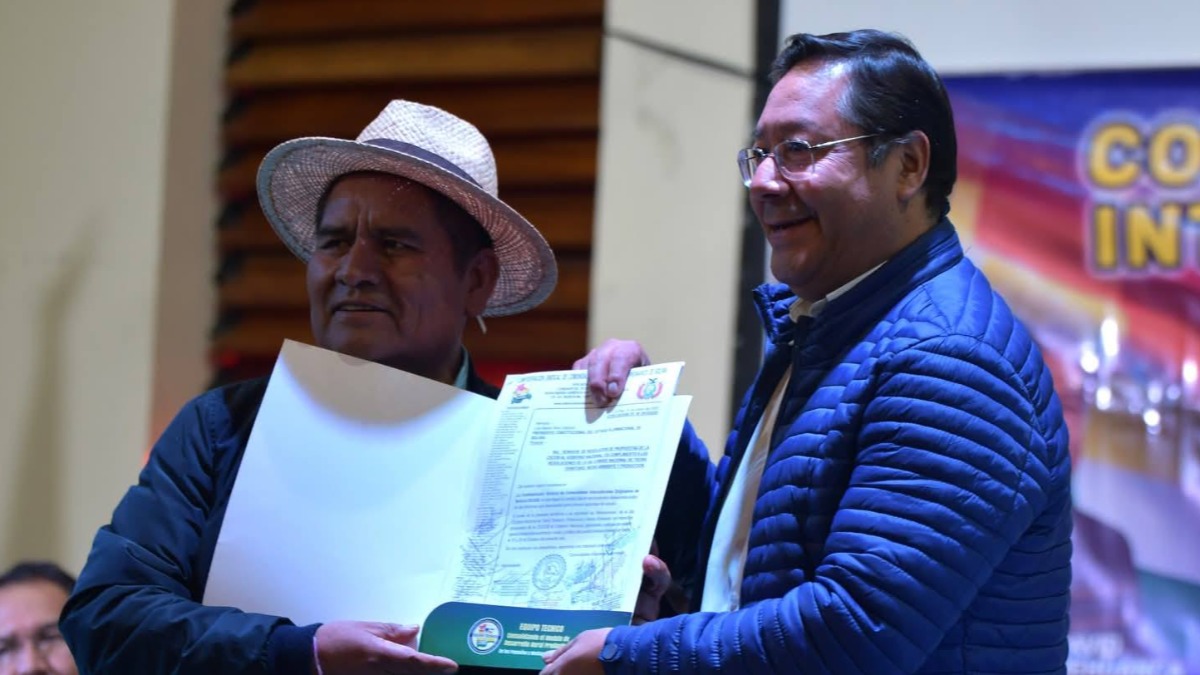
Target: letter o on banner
{"x":1174,"y":157}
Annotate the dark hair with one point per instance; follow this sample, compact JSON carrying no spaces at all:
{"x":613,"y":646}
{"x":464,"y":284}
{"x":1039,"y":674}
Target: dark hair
{"x":466,"y":234}
{"x":37,"y":570}
{"x":893,"y":91}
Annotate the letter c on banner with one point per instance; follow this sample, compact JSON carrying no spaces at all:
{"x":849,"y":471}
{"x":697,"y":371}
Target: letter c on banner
{"x":1108,"y":169}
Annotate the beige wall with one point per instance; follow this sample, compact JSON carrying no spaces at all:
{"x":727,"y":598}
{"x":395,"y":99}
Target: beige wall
{"x":186,"y":294}
{"x":83,"y":183}
{"x":1019,"y":35}
{"x":669,"y":200}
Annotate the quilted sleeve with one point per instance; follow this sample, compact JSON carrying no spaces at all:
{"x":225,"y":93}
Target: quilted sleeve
{"x":950,"y":471}
{"x":132,"y":610}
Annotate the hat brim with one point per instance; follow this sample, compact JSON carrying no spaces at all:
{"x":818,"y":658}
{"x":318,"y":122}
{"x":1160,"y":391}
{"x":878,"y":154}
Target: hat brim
{"x":294,"y":175}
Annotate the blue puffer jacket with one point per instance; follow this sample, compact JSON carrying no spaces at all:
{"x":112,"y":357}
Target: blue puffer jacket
{"x":914,"y":513}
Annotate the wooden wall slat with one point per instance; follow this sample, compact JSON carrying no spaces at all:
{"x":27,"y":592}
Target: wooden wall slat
{"x":542,"y":163}
{"x":420,"y":58}
{"x":564,"y":217}
{"x":548,"y":336}
{"x":552,"y":336}
{"x":547,"y":161}
{"x":244,"y":230}
{"x":306,"y":18}
{"x":497,"y":109}
{"x":278,"y":282}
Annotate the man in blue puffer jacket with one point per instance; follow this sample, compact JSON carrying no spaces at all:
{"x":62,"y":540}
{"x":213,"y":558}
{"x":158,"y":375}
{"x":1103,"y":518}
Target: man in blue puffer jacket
{"x":895,"y":495}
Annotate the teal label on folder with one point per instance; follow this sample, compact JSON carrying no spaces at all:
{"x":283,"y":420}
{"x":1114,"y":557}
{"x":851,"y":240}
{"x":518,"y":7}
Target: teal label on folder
{"x":507,"y":637}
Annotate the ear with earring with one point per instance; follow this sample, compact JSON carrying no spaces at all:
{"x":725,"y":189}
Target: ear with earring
{"x":482,"y":325}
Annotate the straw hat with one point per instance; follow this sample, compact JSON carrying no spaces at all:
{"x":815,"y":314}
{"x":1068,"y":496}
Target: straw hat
{"x":431,"y":147}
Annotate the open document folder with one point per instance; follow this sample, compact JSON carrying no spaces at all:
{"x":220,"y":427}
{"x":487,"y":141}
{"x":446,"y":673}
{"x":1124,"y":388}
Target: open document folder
{"x":504,"y":527}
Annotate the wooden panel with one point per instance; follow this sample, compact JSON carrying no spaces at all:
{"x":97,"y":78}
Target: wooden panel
{"x":262,"y":334}
{"x":551,"y":336}
{"x":420,"y":58}
{"x":498,"y":109}
{"x":546,"y":161}
{"x":320,"y":17}
{"x":264,"y":282}
{"x":278,"y":281}
{"x":244,"y":229}
{"x":563,"y":217}
{"x":541,"y":162}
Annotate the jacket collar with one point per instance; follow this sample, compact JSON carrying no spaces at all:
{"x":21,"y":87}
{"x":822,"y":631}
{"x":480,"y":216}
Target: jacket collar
{"x":849,"y":314}
{"x":478,"y":385}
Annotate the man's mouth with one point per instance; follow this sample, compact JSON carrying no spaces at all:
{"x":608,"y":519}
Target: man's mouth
{"x":357,"y":307}
{"x":781,"y":226}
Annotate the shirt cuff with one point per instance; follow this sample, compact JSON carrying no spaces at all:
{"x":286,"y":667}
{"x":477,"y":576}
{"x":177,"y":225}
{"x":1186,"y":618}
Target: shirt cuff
{"x":290,"y":649}
{"x":317,"y":656}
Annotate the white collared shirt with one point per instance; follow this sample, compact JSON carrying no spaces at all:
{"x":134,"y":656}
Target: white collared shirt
{"x":460,"y":380}
{"x":727,"y":557}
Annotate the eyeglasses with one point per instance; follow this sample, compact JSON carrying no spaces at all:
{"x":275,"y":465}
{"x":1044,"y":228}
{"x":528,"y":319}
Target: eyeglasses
{"x":45,"y":642}
{"x":792,"y":157}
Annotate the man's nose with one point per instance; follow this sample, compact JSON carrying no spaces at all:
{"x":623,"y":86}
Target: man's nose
{"x":31,"y":661}
{"x":361,"y":265}
{"x":767,"y":181}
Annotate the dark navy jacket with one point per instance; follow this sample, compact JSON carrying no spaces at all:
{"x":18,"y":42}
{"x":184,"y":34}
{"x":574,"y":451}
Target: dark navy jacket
{"x":914,"y":515}
{"x":136,"y":607}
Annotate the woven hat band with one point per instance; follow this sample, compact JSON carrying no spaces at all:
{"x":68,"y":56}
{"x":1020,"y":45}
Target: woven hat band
{"x":423,"y":154}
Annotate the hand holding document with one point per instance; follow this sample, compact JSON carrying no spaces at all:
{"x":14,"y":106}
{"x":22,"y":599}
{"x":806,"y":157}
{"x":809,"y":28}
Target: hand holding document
{"x":505,"y":527}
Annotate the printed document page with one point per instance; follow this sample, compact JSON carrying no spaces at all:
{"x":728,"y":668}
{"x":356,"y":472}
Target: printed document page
{"x":559,"y":519}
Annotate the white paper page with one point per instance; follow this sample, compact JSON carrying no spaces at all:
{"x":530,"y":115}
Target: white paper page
{"x":352,"y":492}
{"x":565,"y":509}
{"x":652,"y":495}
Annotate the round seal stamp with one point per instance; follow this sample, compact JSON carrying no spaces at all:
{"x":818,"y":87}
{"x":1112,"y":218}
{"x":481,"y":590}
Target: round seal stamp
{"x":485,"y":635}
{"x":549,"y":571}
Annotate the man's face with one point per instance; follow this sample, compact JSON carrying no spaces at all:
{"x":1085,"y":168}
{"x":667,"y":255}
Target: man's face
{"x":29,"y":639}
{"x":382,"y":280}
{"x":823,"y":226}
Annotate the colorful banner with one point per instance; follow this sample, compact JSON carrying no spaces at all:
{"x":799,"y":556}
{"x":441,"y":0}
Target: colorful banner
{"x":1079,"y":195}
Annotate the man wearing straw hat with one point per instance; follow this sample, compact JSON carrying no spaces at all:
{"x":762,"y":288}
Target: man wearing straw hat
{"x":405,"y":242}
